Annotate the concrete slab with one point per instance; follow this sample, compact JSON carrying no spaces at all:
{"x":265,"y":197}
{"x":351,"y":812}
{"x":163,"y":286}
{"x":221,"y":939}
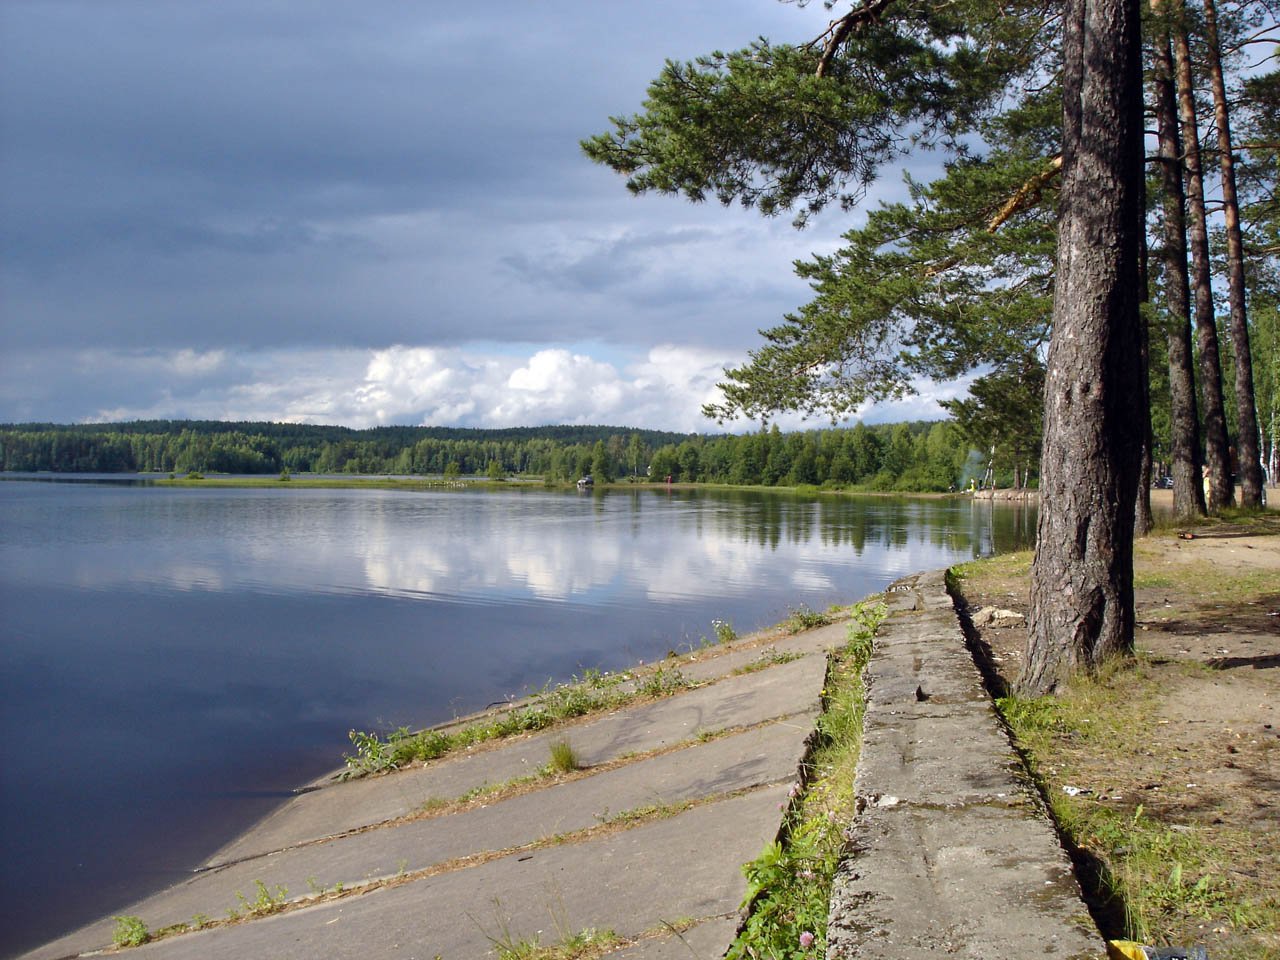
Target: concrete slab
{"x":742,"y":700}
{"x":938,"y":755}
{"x":951,"y":854}
{"x":748,"y":760}
{"x":698,"y":664}
{"x":721,"y":661}
{"x":688,"y":866}
{"x":924,"y":671}
{"x":706,"y":941}
{"x":980,"y":883}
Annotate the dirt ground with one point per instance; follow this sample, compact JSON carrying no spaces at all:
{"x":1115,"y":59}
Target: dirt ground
{"x":1197,"y":739}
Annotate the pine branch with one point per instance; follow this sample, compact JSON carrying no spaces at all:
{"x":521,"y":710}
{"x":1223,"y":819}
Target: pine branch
{"x":838,"y":31}
{"x":1026,"y":195}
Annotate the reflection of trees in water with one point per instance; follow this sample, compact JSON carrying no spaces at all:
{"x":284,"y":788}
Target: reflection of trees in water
{"x":767,"y":519}
{"x":999,"y":527}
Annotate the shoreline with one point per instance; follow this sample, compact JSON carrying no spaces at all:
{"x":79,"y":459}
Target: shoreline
{"x":705,"y":667}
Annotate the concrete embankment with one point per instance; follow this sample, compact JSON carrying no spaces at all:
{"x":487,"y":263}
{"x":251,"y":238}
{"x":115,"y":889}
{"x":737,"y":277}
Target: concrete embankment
{"x":949,"y":854}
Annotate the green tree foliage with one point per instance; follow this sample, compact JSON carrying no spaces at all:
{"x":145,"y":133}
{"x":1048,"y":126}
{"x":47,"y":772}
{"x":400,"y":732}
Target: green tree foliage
{"x":915,"y":456}
{"x":1002,"y":416}
{"x":879,"y":317}
{"x":955,"y":277}
{"x":958,"y":276}
{"x":776,"y":126}
{"x":165,"y":446}
{"x":601,"y":463}
{"x":1266,"y":333}
{"x":1259,"y":168}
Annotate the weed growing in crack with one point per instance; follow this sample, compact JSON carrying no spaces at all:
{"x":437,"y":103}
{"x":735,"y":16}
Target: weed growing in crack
{"x":772,"y":657}
{"x":264,"y":904}
{"x":662,"y":683}
{"x":563,"y":758}
{"x":587,"y":944}
{"x":724,"y":631}
{"x":130,"y":932}
{"x":789,"y":884}
{"x":802,"y":618}
{"x":592,"y":692}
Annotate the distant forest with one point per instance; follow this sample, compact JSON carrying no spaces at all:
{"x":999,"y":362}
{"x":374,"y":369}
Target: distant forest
{"x":918,"y":456}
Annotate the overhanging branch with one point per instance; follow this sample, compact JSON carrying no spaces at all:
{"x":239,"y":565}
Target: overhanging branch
{"x":833,"y":38}
{"x":1026,"y":195}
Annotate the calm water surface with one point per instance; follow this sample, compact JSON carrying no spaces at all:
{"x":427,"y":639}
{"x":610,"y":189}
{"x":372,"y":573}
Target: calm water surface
{"x":176,"y":660}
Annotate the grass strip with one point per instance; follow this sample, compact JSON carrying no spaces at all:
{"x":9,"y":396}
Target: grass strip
{"x":592,"y":692}
{"x":789,"y":884}
{"x":1149,"y":879}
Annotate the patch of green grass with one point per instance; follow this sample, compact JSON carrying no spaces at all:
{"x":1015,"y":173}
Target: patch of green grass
{"x":724,"y":631}
{"x":1168,"y":882}
{"x":130,"y":931}
{"x":993,"y":574}
{"x":789,"y":884}
{"x":172,"y":930}
{"x":563,"y":758}
{"x":434,"y":804}
{"x":802,"y":618}
{"x":587,"y":944}
{"x":592,"y":692}
{"x":772,"y":657}
{"x":1104,"y":713}
{"x":662,"y":683}
{"x":644,"y":814}
{"x":264,"y":903}
{"x":1165,"y":880}
{"x":583,"y":945}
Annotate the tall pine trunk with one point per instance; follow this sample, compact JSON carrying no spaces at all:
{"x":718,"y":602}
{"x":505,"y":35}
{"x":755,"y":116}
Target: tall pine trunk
{"x":1217,"y":455}
{"x":1247,"y":452}
{"x":1143,"y":522}
{"x":1082,"y":577}
{"x":1184,"y":421}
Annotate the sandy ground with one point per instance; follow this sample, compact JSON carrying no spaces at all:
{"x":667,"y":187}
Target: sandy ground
{"x":1208,"y":609}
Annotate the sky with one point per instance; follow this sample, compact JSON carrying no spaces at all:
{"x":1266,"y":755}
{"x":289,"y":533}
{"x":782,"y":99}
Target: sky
{"x":371,"y":213}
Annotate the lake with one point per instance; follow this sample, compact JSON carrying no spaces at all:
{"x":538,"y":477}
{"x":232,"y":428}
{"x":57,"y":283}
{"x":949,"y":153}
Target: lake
{"x":176,"y":660}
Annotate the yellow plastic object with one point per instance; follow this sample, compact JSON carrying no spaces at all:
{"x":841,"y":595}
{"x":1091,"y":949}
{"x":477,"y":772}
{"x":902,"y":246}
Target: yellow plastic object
{"x":1125,"y":950}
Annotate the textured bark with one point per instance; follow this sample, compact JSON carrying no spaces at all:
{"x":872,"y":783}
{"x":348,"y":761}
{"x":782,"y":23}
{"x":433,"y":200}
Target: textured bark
{"x":1082,"y":577}
{"x":1184,"y":428}
{"x":1217,"y":455}
{"x":1247,"y":452}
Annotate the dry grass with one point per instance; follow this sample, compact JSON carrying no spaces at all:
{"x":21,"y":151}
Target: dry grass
{"x":1173,"y":757}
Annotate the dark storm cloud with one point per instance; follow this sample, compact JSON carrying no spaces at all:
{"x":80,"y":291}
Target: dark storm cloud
{"x":197,"y":200}
{"x":195,"y":175}
{"x":604,"y":264}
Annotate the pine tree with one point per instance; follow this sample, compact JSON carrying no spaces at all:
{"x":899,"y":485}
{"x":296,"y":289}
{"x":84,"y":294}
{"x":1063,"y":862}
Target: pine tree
{"x":1216,"y":450}
{"x":1082,"y":575}
{"x":1246,"y":414}
{"x":778,"y":127}
{"x":1184,"y":433}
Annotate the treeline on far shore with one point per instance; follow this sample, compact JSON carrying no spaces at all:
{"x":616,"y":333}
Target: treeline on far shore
{"x":917,"y":456}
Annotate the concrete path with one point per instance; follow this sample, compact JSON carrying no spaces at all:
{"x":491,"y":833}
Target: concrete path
{"x":950,"y":852}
